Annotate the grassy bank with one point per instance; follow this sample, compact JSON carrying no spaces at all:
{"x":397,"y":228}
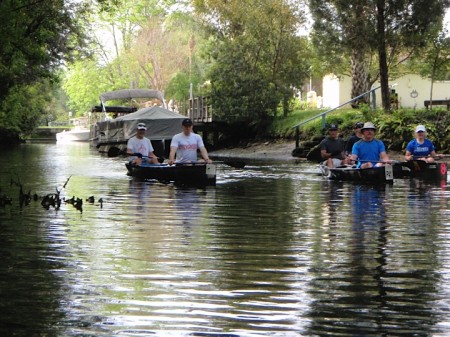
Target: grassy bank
{"x":395,"y":128}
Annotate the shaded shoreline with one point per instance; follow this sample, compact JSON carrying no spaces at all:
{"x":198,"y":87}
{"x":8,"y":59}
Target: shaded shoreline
{"x":268,"y":150}
{"x":280,"y":150}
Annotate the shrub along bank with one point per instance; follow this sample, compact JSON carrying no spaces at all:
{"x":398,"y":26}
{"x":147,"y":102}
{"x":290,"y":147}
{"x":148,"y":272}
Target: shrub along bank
{"x":395,"y":128}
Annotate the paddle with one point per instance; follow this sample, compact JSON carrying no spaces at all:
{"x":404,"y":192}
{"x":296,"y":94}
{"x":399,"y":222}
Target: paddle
{"x":378,"y":161}
{"x":233,"y":163}
{"x":115,"y":152}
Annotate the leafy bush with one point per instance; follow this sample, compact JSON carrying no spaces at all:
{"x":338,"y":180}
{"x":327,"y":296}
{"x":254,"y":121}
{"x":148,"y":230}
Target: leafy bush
{"x":395,"y":128}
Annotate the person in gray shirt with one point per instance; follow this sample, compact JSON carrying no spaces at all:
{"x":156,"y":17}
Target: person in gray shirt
{"x":332,"y":148}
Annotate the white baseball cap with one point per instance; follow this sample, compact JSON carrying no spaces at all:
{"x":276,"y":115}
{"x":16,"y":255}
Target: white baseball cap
{"x":421,"y":128}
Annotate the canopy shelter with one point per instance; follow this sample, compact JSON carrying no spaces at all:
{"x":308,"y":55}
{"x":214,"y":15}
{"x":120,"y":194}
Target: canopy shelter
{"x":161,"y":124}
{"x":130,"y":94}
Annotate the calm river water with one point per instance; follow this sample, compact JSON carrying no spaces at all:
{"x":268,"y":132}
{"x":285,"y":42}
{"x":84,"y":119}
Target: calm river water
{"x":272,"y":250}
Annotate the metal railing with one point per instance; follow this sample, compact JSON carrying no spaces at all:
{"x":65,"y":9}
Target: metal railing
{"x":324,"y":114}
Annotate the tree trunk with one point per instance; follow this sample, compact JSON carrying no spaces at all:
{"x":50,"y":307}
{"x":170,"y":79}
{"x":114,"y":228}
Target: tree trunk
{"x":359,"y":77}
{"x":384,"y":73}
{"x":433,"y":76}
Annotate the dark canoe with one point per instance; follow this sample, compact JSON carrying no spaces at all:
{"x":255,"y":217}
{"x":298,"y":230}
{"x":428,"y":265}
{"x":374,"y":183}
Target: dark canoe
{"x":373,"y":175}
{"x":181,"y":174}
{"x":422,"y":170}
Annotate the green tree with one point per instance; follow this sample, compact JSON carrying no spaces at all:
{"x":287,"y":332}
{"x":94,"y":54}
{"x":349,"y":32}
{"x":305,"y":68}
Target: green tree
{"x":387,"y":31}
{"x":25,"y":105}
{"x":258,"y":57}
{"x":83,"y":83}
{"x":136,"y":44}
{"x":36,"y":38}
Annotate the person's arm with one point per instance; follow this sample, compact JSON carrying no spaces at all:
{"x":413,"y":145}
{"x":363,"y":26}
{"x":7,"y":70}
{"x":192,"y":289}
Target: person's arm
{"x":173,"y":151}
{"x":384,"y":158}
{"x":204,"y":154}
{"x":408,"y":155}
{"x":153,"y":158}
{"x":324,"y":154}
{"x":435,"y":155}
{"x":352,"y":158}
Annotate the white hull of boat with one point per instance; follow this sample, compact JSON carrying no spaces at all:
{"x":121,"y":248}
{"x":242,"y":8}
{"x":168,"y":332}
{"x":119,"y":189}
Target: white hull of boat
{"x":79,"y":135}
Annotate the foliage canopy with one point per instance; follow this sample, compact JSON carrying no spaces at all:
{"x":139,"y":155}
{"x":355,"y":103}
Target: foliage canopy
{"x":36,"y":39}
{"x":258,"y":58}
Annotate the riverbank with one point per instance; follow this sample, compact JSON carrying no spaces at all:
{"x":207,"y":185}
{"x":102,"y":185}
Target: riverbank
{"x":268,"y":150}
{"x":280,"y":150}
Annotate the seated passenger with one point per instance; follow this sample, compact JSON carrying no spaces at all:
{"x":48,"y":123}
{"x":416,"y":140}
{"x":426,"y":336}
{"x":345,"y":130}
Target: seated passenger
{"x":421,"y":148}
{"x":332,"y":148}
{"x":353,"y":138}
{"x":139,"y":147}
{"x":369,"y":151}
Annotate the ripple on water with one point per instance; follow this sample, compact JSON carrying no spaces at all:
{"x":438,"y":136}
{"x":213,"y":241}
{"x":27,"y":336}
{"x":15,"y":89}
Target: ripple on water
{"x":272,"y":250}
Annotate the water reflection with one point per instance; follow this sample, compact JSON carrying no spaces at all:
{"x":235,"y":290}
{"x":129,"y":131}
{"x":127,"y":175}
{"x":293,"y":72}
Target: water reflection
{"x":379,"y":282}
{"x":272,"y":250}
{"x":29,"y":282}
{"x":255,"y":259}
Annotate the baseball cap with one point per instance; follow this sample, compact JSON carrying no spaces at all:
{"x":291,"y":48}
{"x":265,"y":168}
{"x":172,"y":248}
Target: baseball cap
{"x":333,"y":127}
{"x":187,"y":122}
{"x":421,"y":128}
{"x":141,"y":126}
{"x":359,"y":125}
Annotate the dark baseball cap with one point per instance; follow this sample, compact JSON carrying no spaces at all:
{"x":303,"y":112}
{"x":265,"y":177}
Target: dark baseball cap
{"x":359,"y":125}
{"x":187,"y":122}
{"x":333,"y":127}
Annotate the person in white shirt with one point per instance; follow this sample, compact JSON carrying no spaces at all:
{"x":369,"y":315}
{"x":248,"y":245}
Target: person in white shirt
{"x":184,"y":146}
{"x":140,"y":148}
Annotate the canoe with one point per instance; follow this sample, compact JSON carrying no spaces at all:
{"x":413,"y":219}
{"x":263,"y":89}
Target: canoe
{"x":373,"y":175}
{"x":417,"y":169}
{"x":422,"y":170}
{"x":180,"y":174}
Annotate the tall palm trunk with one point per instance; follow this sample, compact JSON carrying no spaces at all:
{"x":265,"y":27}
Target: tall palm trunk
{"x":360,"y":83}
{"x":382,"y":56}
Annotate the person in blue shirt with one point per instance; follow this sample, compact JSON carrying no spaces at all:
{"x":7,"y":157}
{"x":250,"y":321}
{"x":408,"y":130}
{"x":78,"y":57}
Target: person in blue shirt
{"x":421,"y":148}
{"x":369,"y":151}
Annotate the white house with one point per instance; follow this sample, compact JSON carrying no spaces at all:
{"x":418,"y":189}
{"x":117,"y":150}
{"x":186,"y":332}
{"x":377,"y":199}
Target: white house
{"x":412,"y":91}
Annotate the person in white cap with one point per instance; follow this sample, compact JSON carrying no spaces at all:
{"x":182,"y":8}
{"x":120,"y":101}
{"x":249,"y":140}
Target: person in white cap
{"x":421,"y":148}
{"x":140,"y":148}
{"x":184,"y":146}
{"x":369,"y":151}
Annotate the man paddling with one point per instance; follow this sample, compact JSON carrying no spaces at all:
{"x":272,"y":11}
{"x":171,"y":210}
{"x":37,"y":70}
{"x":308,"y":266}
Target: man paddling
{"x":184,"y":146}
{"x":142,"y":146}
{"x":369,"y":151}
{"x":332,"y":148}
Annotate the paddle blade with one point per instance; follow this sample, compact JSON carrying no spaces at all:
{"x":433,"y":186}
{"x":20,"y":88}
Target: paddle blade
{"x":235,"y":164}
{"x":114,"y":151}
